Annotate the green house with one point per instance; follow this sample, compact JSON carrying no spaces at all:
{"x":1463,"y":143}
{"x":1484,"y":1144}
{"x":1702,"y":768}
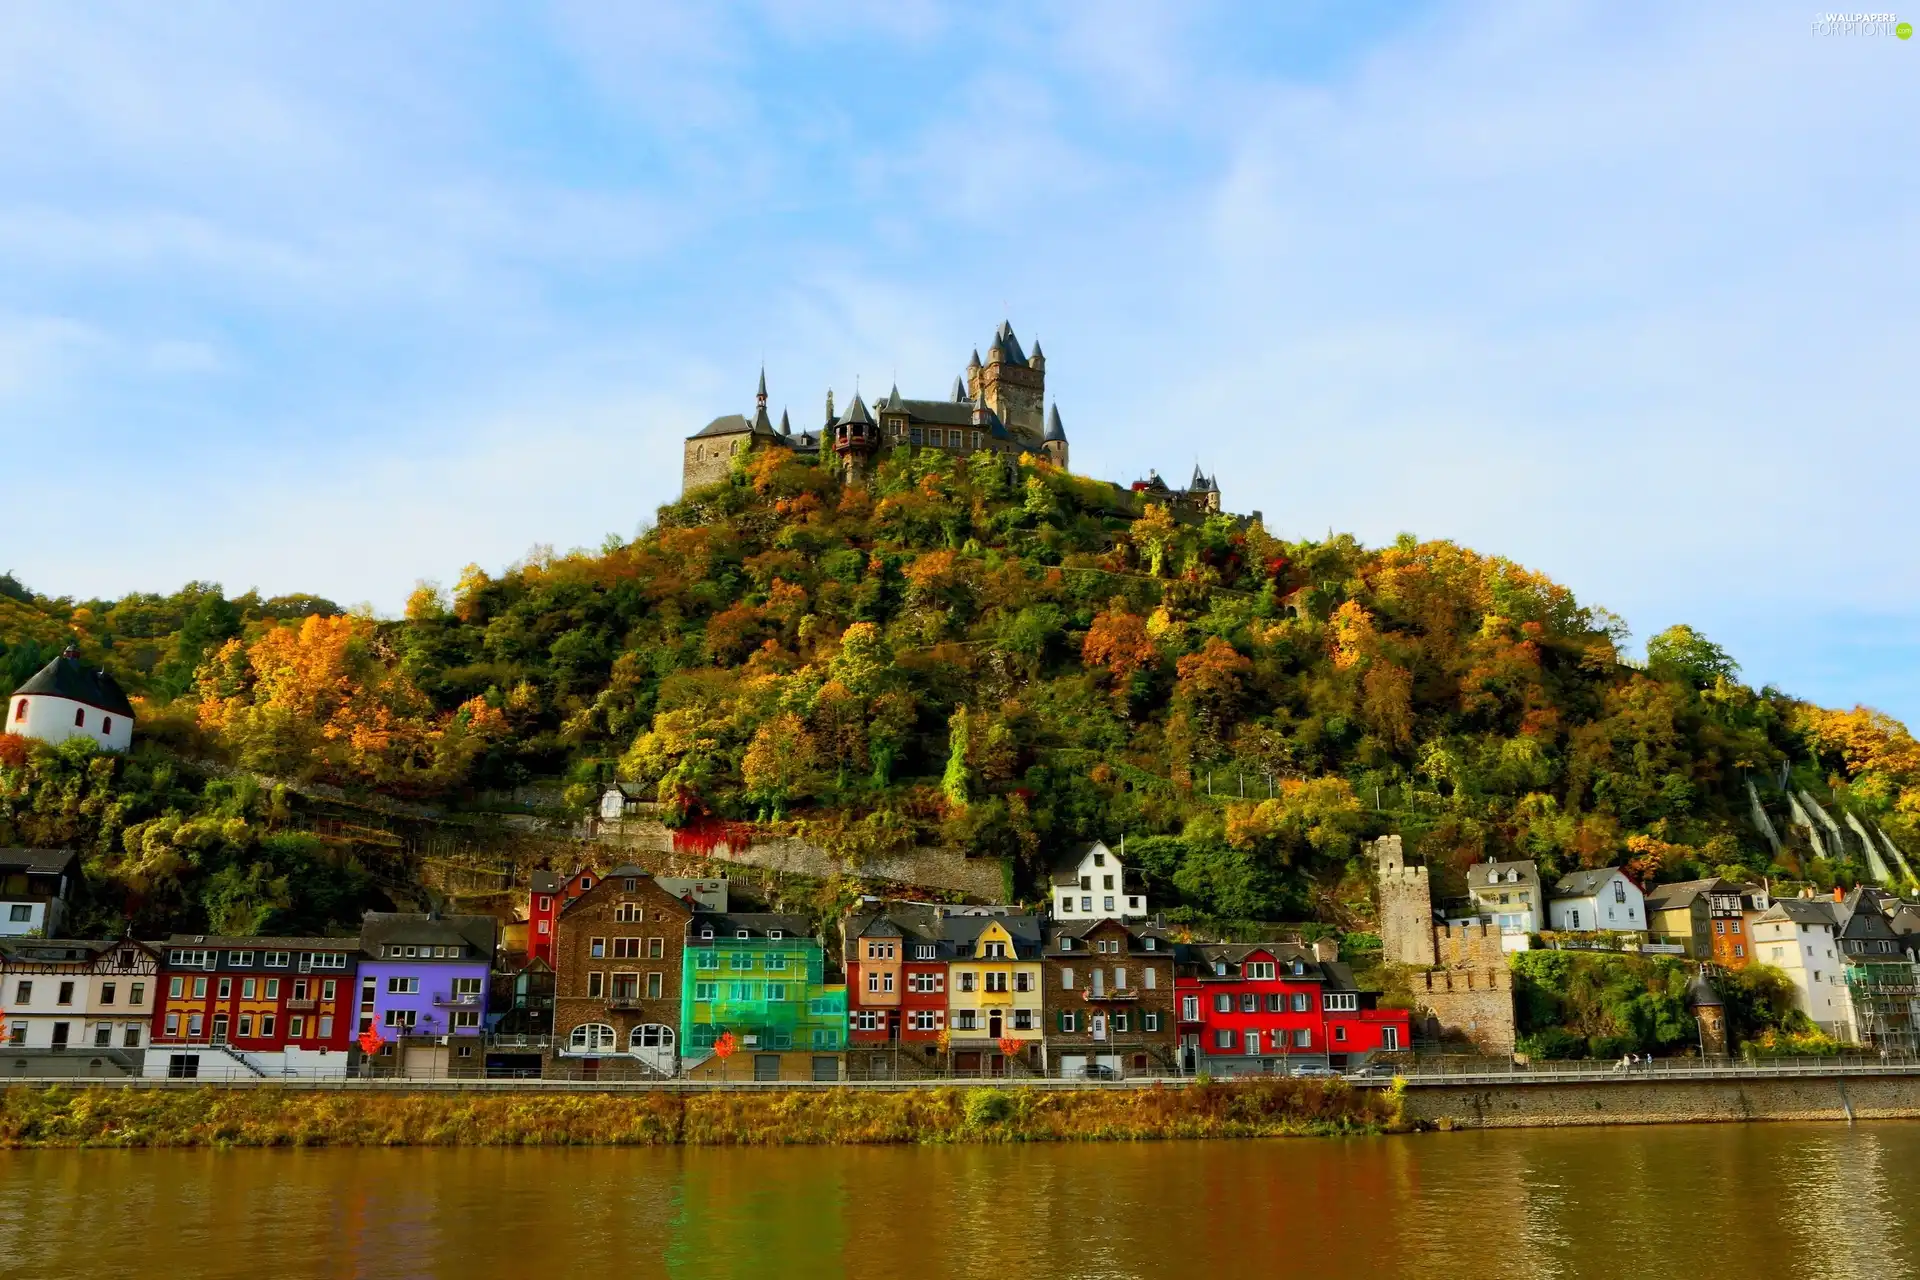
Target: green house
{"x":761,"y":977}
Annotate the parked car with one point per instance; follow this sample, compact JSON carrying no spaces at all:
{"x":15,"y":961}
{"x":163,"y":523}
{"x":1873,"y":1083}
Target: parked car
{"x":1100,"y":1071}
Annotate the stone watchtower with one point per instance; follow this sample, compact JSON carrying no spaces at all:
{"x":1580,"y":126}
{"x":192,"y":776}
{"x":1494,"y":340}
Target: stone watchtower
{"x":1014,"y":386}
{"x":1406,"y":906}
{"x":1055,"y":445}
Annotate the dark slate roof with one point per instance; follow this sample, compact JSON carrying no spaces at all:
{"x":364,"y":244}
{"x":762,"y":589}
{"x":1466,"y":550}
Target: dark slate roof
{"x":543,"y":882}
{"x":785,"y":429}
{"x":727,"y":424}
{"x":960,"y":389}
{"x":1681,"y":893}
{"x":61,"y":950}
{"x":1799,"y":910}
{"x":964,"y":931}
{"x":1009,"y":345}
{"x":1700,"y":992}
{"x":1481,"y":875}
{"x":758,"y":924}
{"x":67,"y":677}
{"x":943,"y":413}
{"x":46,"y":862}
{"x":856,"y":412}
{"x":1066,"y":867}
{"x":222,"y":942}
{"x":1137,"y":934}
{"x":903,"y":920}
{"x":1861,"y":919}
{"x":1054,"y":430}
{"x":384,"y":928}
{"x":1582,"y":884}
{"x":1201,"y":957}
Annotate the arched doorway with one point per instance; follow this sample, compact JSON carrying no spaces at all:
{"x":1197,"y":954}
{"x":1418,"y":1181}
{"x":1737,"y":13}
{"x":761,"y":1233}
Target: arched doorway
{"x":652,"y":1043}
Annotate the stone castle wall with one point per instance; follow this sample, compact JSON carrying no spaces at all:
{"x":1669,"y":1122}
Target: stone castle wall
{"x":1464,"y":986}
{"x":708,"y":460}
{"x":1475,"y":1003}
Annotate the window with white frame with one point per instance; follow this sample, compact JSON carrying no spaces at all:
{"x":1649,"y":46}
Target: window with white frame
{"x":1341,"y":1001}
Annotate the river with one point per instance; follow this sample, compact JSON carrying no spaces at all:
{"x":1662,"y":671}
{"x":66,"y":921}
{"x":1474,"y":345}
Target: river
{"x":1786,"y":1200}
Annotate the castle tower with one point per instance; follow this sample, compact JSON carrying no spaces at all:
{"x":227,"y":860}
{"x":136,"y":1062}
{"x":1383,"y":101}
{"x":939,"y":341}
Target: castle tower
{"x":856,"y":437}
{"x":1709,"y":1015}
{"x":1015,"y":387}
{"x":1406,"y":906}
{"x":1055,"y":444}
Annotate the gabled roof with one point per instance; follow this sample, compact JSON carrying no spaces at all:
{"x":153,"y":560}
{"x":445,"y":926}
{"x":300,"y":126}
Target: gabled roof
{"x":67,"y":677}
{"x":1487,"y":875}
{"x":1584,"y":884}
{"x":727,"y":424}
{"x":224,"y":942}
{"x":82,"y":951}
{"x":758,"y":924}
{"x":1681,"y":893}
{"x":44,"y":862}
{"x":1798,"y":910}
{"x":902,"y":919}
{"x":1066,"y":866}
{"x":1080,"y":929}
{"x":1200,"y":958}
{"x":387,"y":928}
{"x":964,"y":932}
{"x":856,"y":413}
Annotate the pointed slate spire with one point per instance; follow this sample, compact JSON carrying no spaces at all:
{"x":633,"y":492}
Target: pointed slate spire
{"x":974,"y":363}
{"x":1054,"y":429}
{"x":959,"y":389}
{"x":1199,"y":482}
{"x":857,"y":412}
{"x":761,"y":395}
{"x":893,"y":401}
{"x":1038,"y":361}
{"x":785,"y":430}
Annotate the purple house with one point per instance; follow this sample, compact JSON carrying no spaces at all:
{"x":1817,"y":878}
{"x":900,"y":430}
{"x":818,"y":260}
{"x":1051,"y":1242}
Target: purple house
{"x":423,"y":987}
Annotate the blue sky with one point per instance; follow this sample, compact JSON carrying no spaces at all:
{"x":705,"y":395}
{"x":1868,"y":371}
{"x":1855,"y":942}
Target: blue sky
{"x":334,"y":298}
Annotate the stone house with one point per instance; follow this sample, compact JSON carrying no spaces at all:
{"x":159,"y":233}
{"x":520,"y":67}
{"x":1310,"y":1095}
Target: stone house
{"x":619,"y":949}
{"x":1109,"y":1000}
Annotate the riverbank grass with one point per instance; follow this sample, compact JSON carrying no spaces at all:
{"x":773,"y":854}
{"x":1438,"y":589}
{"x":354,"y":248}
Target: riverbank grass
{"x":66,"y":1116}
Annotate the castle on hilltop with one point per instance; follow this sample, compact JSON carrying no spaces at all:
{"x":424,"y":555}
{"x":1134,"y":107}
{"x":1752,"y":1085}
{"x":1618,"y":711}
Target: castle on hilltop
{"x":998,"y":405}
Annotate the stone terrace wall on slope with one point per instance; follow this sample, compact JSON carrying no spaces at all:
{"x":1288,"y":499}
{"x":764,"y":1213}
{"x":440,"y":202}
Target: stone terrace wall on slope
{"x":980,"y":878}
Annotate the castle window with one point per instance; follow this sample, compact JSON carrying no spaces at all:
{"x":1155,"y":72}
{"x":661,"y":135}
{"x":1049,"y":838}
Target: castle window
{"x":20,"y":712}
{"x":80,"y":718}
{"x":106,"y":724}
{"x":913,"y":436}
{"x":953,"y":438}
{"x":976,"y":439}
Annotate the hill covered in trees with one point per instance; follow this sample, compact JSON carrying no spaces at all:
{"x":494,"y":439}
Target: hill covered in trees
{"x":999,"y":660}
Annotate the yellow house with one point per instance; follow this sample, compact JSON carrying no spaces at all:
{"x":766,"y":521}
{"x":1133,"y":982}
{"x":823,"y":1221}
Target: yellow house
{"x":993,"y":991}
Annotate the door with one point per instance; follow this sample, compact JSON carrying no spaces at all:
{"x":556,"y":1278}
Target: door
{"x":1073,"y":1066}
{"x":826,"y":1067}
{"x":1250,"y":1041}
{"x":219,"y":1028}
{"x":994,"y":1023}
{"x":60,"y":1035}
{"x":766,"y":1066}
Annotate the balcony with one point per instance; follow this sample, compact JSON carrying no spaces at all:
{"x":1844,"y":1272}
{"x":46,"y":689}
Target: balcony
{"x":298,"y":1005}
{"x":1110,"y":996}
{"x":457,"y":999}
{"x":628,"y":1002}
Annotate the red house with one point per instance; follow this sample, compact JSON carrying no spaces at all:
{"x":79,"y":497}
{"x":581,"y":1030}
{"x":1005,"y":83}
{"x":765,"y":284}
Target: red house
{"x":547,"y":893}
{"x":1273,"y":1008}
{"x":254,"y":1007}
{"x":896,"y":964}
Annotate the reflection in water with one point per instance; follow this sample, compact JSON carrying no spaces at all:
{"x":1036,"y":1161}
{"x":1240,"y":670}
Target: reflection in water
{"x":1790,"y":1200}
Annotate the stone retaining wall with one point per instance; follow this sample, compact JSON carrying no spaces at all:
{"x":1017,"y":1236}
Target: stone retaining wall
{"x":1524,"y":1106}
{"x":979,"y":878}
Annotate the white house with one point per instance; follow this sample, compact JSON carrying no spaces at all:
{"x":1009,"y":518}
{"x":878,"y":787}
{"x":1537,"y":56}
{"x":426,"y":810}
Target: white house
{"x":1601,"y":899}
{"x":66,"y":699}
{"x":35,"y":886}
{"x":1089,"y":883}
{"x":1508,"y":894}
{"x":63,"y":994}
{"x":1799,"y":937}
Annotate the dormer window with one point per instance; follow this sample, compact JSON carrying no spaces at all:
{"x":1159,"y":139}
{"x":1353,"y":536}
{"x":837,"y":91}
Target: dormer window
{"x":706,"y":935}
{"x":1299,"y":968}
{"x":631,"y":884}
{"x":1220,"y":968}
{"x":586,"y":882}
{"x":1152,"y":944}
{"x":741,"y":933}
{"x":775,"y":933}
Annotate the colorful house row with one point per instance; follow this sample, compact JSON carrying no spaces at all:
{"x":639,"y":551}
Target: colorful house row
{"x":410,"y":992}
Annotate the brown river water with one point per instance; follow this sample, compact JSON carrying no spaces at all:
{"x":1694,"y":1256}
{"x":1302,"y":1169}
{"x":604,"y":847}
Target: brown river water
{"x":1775,"y":1200}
